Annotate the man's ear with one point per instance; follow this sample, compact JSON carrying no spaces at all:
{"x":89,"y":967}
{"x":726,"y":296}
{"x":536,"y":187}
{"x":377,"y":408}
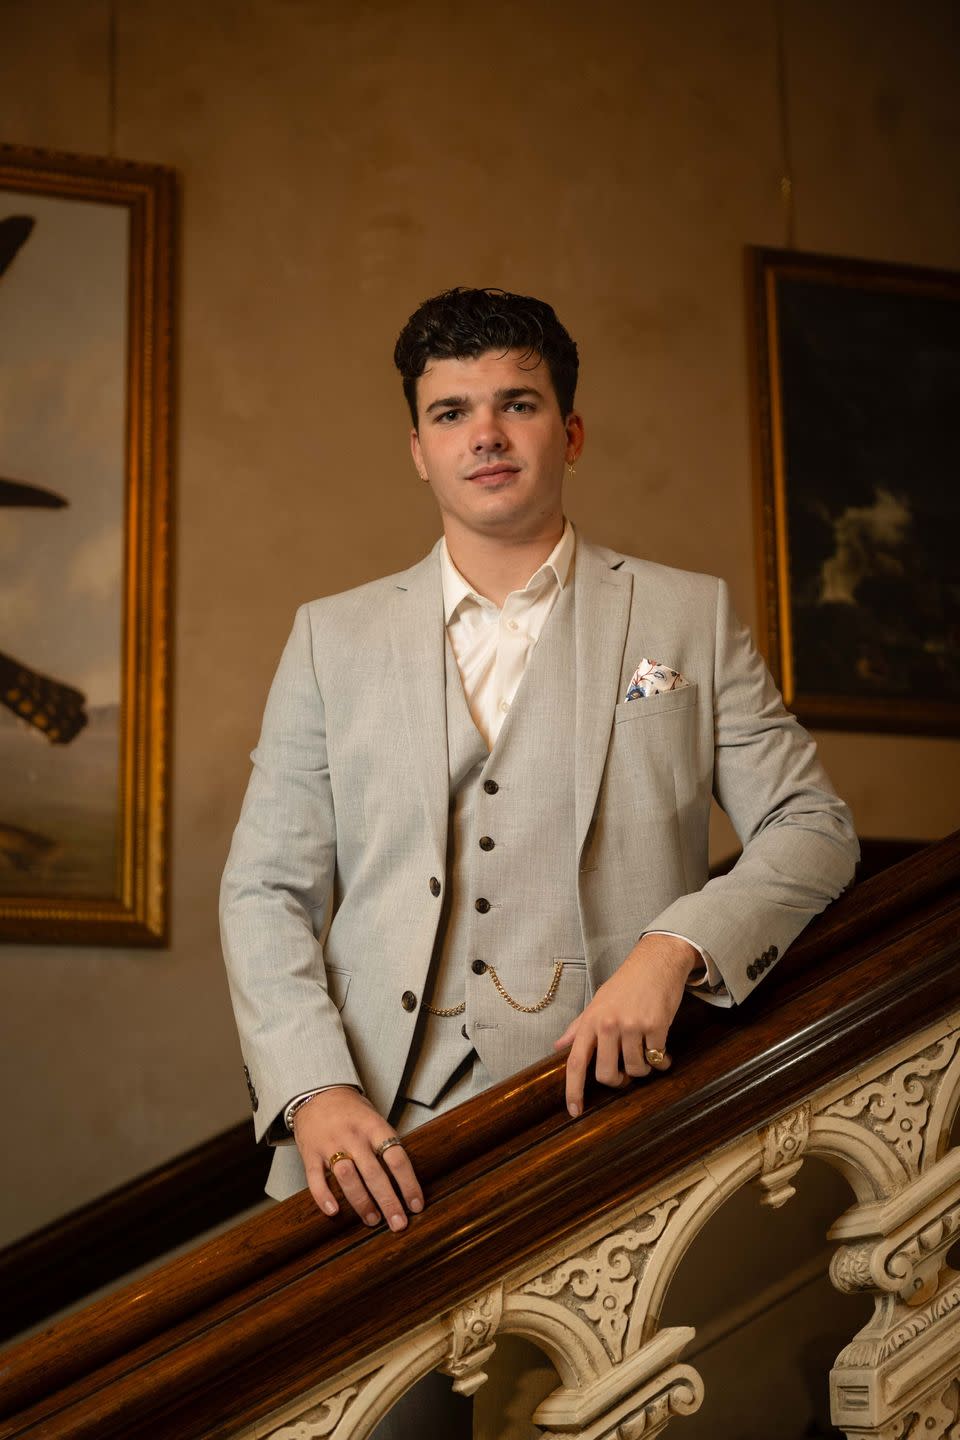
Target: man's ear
{"x":573,"y":425}
{"x":417,"y":453}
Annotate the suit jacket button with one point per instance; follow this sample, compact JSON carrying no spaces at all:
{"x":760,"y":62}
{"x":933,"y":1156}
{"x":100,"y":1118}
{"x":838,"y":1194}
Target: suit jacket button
{"x":478,"y":967}
{"x":751,"y":972}
{"x":491,"y":787}
{"x":434,"y":885}
{"x":408,"y":1000}
{"x":773,"y":952}
{"x":482,"y":905}
{"x":485,"y":842}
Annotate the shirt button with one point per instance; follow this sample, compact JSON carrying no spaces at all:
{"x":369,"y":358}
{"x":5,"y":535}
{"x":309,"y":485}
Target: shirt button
{"x":478,"y":966}
{"x":503,"y":707}
{"x":485,"y":842}
{"x":482,"y":905}
{"x":512,"y":625}
{"x":434,"y":885}
{"x":408,"y":1000}
{"x":491,"y":787}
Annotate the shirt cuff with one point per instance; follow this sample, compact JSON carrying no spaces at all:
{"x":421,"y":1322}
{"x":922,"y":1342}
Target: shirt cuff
{"x":709,"y":978}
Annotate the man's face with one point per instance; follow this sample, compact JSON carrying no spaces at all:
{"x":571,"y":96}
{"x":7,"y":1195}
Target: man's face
{"x":493,"y":444}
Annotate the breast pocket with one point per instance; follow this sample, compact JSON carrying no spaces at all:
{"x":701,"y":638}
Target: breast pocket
{"x":652,"y":764}
{"x":657,"y":707}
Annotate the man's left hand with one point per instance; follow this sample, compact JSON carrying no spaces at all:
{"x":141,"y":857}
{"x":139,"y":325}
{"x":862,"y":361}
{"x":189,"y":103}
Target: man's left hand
{"x":630,"y":1014}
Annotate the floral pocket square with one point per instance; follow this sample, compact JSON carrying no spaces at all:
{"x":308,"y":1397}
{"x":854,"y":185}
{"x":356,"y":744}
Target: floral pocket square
{"x":652,"y":678}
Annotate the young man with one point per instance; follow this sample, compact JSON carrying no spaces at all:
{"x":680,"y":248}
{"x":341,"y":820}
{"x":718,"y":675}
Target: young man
{"x":500,"y":764}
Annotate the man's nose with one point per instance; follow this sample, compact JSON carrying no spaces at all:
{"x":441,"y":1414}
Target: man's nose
{"x":488,"y":433}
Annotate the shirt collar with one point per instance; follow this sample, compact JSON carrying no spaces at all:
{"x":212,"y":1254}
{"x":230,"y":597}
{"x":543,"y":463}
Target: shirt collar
{"x":456,"y":589}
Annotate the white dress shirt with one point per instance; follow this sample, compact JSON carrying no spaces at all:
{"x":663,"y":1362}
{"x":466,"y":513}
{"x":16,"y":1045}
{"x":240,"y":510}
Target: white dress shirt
{"x":493,"y":646}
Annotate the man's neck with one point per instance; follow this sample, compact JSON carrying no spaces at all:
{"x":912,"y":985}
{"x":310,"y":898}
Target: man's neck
{"x":495,"y":566}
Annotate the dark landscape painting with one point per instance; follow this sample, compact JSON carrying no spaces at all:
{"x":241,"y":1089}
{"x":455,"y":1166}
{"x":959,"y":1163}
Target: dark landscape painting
{"x":863,"y":560}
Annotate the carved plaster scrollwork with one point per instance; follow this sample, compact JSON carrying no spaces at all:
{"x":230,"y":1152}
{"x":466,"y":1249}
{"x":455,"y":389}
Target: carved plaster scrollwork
{"x":681,"y":1398}
{"x":896,"y":1106}
{"x":321,"y":1420}
{"x":782,"y":1146}
{"x":633,"y":1400}
{"x":600,"y":1283}
{"x":474,"y":1326}
{"x":904,"y":1262}
{"x":906,"y":1266}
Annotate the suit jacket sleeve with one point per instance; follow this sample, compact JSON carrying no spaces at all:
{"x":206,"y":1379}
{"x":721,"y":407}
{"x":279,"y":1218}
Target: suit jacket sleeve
{"x":275,"y":898}
{"x":799,"y":845}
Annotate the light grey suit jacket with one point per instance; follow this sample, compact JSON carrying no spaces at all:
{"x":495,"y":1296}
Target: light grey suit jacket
{"x":328,"y":914}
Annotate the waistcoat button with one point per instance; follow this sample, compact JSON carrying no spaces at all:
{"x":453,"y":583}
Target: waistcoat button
{"x":434,"y":885}
{"x":478,"y":966}
{"x":485,"y":842}
{"x":491,"y":787}
{"x":482,"y":905}
{"x":408,"y":1000}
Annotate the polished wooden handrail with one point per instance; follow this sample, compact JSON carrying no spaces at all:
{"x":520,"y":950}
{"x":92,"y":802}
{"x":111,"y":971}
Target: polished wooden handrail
{"x":253,"y":1318}
{"x":203,"y":1188}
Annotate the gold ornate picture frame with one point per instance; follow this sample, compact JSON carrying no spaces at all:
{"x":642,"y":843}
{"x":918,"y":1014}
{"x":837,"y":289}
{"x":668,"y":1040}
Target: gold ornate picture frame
{"x":87,"y":259}
{"x":855,"y":390}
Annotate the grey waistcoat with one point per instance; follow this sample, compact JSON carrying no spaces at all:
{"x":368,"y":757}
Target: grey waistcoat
{"x":525,"y":883}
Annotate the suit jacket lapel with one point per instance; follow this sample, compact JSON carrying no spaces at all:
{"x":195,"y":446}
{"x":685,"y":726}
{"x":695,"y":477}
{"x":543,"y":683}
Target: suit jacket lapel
{"x":417,"y":636}
{"x":602,"y":615}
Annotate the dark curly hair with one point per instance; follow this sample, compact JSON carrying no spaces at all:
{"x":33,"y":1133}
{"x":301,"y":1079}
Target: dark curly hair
{"x":461,"y":324}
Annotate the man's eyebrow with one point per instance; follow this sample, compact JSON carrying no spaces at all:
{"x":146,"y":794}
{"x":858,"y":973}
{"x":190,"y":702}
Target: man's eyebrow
{"x":516,"y":391}
{"x":459,"y":402}
{"x":449,"y":402}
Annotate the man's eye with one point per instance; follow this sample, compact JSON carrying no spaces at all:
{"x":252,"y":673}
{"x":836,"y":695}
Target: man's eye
{"x":520,"y":405}
{"x":446,"y":415}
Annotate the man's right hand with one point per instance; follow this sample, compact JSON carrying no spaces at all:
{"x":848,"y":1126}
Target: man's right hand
{"x":340,"y":1119}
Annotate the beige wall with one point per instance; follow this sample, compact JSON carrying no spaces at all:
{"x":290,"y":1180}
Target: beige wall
{"x":340,"y":163}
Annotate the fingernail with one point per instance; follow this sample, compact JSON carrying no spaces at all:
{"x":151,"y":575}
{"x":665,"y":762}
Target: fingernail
{"x":397,"y":1222}
{"x":330,"y":1206}
{"x":574,"y":1110}
{"x":416,"y":1206}
{"x":373,"y":1218}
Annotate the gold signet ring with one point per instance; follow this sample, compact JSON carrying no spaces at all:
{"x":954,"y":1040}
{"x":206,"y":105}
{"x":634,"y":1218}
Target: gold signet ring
{"x":385,"y":1145}
{"x":337,"y":1156}
{"x":656,"y":1057}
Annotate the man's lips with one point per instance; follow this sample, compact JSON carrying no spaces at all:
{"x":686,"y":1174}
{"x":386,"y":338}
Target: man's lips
{"x":490,"y":474}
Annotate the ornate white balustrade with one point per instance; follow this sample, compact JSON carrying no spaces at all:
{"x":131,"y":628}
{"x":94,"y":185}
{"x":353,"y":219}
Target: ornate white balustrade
{"x":593,"y":1304}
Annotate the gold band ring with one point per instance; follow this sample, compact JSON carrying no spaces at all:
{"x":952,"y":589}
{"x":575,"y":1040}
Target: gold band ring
{"x":656,"y":1057}
{"x":337,"y":1156}
{"x":385,"y":1145}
